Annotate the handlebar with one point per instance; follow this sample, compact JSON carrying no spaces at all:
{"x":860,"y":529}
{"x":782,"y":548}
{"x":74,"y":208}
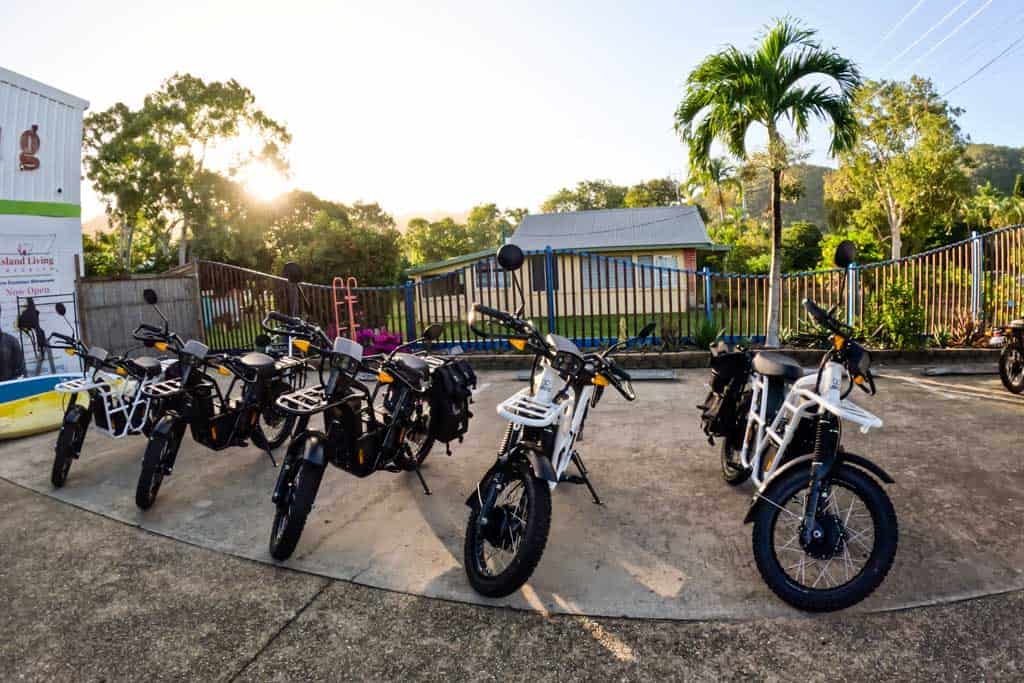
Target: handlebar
{"x":286,"y":319}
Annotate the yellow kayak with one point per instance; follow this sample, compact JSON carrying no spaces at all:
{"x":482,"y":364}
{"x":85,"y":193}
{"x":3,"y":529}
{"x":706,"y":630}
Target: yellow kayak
{"x":31,"y":406}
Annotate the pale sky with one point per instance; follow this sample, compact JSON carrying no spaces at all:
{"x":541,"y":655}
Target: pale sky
{"x":425,"y":109}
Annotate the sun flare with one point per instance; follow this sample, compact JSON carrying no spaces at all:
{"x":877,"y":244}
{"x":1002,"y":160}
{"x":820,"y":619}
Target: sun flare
{"x":264,"y":182}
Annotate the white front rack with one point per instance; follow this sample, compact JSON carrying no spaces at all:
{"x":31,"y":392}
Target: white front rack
{"x":74,"y":386}
{"x":521,"y":408}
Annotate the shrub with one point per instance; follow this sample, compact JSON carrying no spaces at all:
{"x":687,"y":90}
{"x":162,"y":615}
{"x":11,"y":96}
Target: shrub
{"x":897,"y":320}
{"x":705,"y":334}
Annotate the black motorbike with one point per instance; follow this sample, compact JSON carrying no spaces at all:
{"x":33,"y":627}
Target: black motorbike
{"x":418,"y":399}
{"x":1011,"y":360}
{"x":218,"y":419}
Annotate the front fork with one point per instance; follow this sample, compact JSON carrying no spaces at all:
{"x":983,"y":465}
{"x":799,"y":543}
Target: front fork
{"x":826,"y":454}
{"x":291,"y":461}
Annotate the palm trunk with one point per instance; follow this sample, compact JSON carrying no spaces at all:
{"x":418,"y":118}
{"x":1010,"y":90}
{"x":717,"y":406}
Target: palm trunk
{"x":775,"y":273}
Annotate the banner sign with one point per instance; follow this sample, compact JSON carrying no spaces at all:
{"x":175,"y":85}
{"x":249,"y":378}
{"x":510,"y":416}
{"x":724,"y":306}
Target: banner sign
{"x":37,"y":270}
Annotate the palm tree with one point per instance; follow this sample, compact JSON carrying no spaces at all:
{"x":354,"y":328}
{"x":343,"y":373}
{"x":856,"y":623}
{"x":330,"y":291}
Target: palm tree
{"x":719,"y":174}
{"x":732,"y":90}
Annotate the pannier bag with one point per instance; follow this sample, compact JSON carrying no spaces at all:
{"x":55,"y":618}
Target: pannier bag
{"x":451,"y":392}
{"x":722,"y":411}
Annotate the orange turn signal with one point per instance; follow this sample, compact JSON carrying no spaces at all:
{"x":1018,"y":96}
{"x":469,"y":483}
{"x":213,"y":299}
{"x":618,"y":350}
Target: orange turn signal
{"x":600,"y":380}
{"x":301,"y":345}
{"x":70,"y":352}
{"x":160,"y":346}
{"x":384,"y":378}
{"x":859,"y":379}
{"x":518,"y":344}
{"x":121,"y":371}
{"x":838,"y":341}
{"x":223,"y":370}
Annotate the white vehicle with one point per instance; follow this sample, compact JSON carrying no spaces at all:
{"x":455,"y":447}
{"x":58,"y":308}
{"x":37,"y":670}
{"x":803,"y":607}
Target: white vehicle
{"x":511,"y":506}
{"x":115,"y":385}
{"x":825,"y":532}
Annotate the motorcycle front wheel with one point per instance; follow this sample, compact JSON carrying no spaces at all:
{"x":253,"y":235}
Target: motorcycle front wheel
{"x":502,"y":550}
{"x":69,"y":442}
{"x":293,"y":509}
{"x":851,"y":559}
{"x":276,"y":424}
{"x":158,"y":451}
{"x":1011,"y":368}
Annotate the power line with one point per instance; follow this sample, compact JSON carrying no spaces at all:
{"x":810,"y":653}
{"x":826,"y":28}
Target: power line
{"x":952,"y":33}
{"x":986,"y":65}
{"x":924,"y":35}
{"x":901,"y":21}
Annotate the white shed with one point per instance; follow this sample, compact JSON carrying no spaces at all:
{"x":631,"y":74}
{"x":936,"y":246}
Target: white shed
{"x":40,"y":226}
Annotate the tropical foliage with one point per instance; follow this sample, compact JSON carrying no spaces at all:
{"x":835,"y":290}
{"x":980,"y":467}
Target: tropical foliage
{"x":732,"y":90}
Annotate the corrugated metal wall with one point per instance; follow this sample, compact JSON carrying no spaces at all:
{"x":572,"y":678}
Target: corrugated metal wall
{"x":60,"y":132}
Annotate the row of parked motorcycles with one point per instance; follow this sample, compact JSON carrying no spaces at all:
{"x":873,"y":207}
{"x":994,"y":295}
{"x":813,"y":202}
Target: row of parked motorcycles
{"x":824,"y":530}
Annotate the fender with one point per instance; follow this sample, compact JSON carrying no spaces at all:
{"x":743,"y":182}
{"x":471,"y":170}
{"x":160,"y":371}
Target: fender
{"x":540,"y":467}
{"x":166,"y":424}
{"x":804,"y":461}
{"x":313,"y":447}
{"x":77,"y":415}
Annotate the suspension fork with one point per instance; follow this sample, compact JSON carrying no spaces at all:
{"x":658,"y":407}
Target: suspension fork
{"x":826,"y":454}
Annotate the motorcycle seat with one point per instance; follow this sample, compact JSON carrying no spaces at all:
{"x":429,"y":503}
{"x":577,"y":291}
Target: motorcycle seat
{"x":772,"y":364}
{"x":144,"y":366}
{"x":411,"y":366}
{"x":260,"y":363}
{"x":1017,"y":324}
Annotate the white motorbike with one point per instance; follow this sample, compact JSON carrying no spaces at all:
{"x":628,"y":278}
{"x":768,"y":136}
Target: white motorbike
{"x":118,"y":405}
{"x":511,"y":507}
{"x":825,"y":532}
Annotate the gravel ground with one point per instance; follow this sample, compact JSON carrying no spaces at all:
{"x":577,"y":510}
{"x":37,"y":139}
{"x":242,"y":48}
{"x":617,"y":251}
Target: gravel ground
{"x":89,"y":599}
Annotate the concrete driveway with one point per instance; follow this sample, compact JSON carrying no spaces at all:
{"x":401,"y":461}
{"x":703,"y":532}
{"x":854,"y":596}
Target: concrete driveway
{"x":668,"y":543}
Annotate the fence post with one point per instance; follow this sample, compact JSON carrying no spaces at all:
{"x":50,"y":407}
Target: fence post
{"x":976,"y":266}
{"x":410,"y":312}
{"x":851,"y":293}
{"x":549,"y":276}
{"x":706,"y":272}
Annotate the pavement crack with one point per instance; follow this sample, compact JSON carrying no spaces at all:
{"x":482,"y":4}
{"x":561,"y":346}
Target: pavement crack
{"x":288,"y":622}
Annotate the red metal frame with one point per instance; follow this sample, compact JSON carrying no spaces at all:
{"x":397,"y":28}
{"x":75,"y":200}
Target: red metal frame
{"x":346,"y":285}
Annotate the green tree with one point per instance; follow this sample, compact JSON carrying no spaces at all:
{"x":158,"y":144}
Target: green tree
{"x":151,"y":165}
{"x":801,"y":245}
{"x":655,"y":192}
{"x":587,"y":195}
{"x":732,"y":90}
{"x":716,"y":178}
{"x":869,"y":247}
{"x":906,"y":170}
{"x":1018,"y":186}
{"x":485,"y":228}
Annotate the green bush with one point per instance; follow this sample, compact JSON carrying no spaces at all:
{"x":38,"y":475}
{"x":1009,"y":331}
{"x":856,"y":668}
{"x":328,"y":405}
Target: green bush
{"x":705,"y":334}
{"x":896,"y":320}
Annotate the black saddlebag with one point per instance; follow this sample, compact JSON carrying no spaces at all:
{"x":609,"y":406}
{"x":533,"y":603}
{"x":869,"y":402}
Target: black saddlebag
{"x":451,"y":392}
{"x":723,"y":412}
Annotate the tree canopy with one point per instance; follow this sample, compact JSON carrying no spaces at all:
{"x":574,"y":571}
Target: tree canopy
{"x":906,"y":171}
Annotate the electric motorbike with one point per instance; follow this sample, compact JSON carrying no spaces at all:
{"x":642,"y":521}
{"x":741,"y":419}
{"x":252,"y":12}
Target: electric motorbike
{"x":510,"y":510}
{"x":824,"y":531}
{"x":1011,"y":360}
{"x":115,"y":386}
{"x":418,"y":399}
{"x":218,"y":419}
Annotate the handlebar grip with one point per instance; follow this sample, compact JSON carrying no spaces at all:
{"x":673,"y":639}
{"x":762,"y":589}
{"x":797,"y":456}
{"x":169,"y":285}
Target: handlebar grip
{"x":492,"y":312}
{"x":149,"y":328}
{"x":286,"y":319}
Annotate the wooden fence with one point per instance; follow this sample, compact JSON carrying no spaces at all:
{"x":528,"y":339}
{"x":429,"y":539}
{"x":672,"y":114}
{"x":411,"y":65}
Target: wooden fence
{"x":110,"y":309}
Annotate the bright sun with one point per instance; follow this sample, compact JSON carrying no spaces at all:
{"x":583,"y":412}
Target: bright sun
{"x":264,"y":182}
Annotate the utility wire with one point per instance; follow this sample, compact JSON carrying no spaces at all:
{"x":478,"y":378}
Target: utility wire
{"x":901,"y":22}
{"x":986,"y":65}
{"x":924,"y":35}
{"x":952,"y":33}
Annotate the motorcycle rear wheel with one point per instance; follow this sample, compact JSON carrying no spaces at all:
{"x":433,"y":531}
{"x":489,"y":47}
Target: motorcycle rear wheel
{"x":1011,"y":369}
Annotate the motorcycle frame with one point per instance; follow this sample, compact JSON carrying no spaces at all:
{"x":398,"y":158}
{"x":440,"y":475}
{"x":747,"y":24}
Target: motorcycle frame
{"x":102,"y":386}
{"x":802,"y":400}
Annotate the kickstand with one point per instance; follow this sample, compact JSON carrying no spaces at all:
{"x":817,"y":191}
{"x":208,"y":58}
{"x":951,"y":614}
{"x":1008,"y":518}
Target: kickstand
{"x":426,"y":489}
{"x":583,"y":473}
{"x":271,"y":456}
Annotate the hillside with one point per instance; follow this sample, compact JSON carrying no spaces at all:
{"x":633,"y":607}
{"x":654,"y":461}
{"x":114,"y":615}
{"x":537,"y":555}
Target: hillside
{"x":996,"y":164}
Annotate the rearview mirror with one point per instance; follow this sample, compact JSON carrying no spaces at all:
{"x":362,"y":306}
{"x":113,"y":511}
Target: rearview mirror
{"x":510,"y":257}
{"x":262,"y":341}
{"x":846,"y":253}
{"x":149,"y":296}
{"x":60,"y":308}
{"x":433,"y":332}
{"x":293,"y":272}
{"x":646,"y":331}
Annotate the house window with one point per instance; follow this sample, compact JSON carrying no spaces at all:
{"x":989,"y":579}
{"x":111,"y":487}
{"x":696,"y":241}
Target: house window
{"x":489,"y":274}
{"x":651,"y":270}
{"x":448,"y":284}
{"x":539,"y":273}
{"x":600,"y":272}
